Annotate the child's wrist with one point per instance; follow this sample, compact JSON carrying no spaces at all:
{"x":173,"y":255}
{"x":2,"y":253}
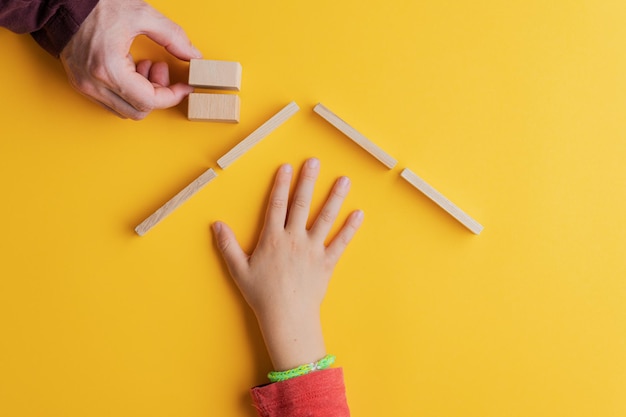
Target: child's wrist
{"x":292,"y":310}
{"x":292,"y":340}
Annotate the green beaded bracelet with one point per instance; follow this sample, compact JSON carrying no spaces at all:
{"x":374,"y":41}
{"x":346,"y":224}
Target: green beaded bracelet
{"x":324,"y":363}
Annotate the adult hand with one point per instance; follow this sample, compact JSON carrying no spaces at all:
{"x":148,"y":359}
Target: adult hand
{"x":285,"y":279}
{"x":98,"y":62}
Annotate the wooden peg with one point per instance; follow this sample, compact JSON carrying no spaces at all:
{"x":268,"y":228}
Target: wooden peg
{"x":213,"y":107}
{"x":218,"y":75}
{"x":256,"y":136}
{"x":175,"y":202}
{"x":443,"y":202}
{"x":357,"y":137}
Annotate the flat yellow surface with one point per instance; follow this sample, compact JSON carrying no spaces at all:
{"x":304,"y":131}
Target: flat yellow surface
{"x":514,"y":110}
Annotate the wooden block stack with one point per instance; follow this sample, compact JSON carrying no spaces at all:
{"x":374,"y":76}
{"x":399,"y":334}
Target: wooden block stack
{"x":216,"y":75}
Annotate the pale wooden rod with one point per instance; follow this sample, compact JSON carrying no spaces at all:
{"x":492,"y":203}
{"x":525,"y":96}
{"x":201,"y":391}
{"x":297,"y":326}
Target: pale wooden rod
{"x":256,"y":136}
{"x":175,"y":202}
{"x":357,"y":137}
{"x":441,"y":201}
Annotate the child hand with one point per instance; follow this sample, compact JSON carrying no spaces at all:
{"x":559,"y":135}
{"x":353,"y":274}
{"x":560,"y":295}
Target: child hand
{"x":285,"y":279}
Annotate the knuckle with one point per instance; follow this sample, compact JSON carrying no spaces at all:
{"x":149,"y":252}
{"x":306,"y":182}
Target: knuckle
{"x":99,"y":72}
{"x":177,"y":30}
{"x":299,"y":202}
{"x":278,"y":203}
{"x":340,"y":193}
{"x":345,"y":236}
{"x":223,"y":244}
{"x":344,"y":239}
{"x":294,"y":247}
{"x":326,"y":216}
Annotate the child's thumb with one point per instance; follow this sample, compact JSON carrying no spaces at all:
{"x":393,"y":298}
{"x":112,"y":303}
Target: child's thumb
{"x":231,"y":251}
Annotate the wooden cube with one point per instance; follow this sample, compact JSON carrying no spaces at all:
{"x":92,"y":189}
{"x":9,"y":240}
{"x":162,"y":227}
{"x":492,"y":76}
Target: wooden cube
{"x":218,"y":75}
{"x":213,"y":107}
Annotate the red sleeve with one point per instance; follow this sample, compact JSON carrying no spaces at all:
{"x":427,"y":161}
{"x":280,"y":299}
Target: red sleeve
{"x":52,"y":23}
{"x":318,"y":394}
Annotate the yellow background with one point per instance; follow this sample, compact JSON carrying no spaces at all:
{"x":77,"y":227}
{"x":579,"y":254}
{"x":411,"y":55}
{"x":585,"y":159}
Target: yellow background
{"x":514,"y":110}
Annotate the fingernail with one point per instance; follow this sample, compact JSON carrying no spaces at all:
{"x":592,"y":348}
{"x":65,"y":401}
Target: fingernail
{"x":344,"y":181}
{"x":286,"y":168}
{"x":313,"y":163}
{"x":217,"y":227}
{"x":196,"y":51}
{"x":359,"y":214}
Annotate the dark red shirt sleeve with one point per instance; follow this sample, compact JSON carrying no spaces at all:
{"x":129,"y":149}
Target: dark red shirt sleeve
{"x":318,"y":394}
{"x":52,"y":23}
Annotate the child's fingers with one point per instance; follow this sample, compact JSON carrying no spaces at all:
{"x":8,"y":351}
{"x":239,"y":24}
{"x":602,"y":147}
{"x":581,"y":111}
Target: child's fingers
{"x":279,"y":199}
{"x":327,"y":216}
{"x":348,"y":230}
{"x":236,"y":259}
{"x":299,"y":209}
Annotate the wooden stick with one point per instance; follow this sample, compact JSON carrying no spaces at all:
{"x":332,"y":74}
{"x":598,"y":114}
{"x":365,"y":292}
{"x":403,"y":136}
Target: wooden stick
{"x":256,"y":136}
{"x":175,"y":202}
{"x":357,"y":137}
{"x":443,"y":202}
{"x":218,"y":75}
{"x":213,"y":108}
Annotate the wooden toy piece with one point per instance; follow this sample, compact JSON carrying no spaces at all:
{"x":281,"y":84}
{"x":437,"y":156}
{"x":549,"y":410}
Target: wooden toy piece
{"x":213,"y":108}
{"x":218,"y":75}
{"x":443,"y":202}
{"x":256,"y":136}
{"x":357,"y":137}
{"x":175,"y":202}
